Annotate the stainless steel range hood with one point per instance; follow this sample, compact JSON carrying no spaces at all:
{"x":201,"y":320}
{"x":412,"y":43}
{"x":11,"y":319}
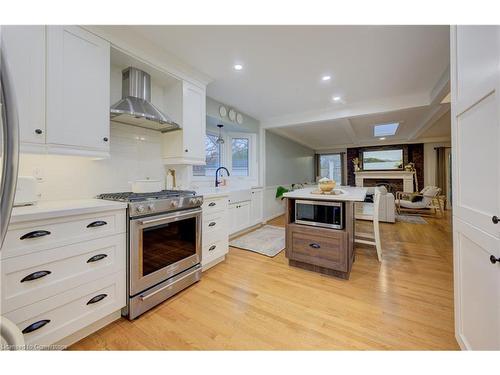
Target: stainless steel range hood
{"x":135,"y":107}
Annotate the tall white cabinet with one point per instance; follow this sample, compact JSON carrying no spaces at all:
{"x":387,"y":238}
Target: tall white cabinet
{"x":61,"y":80}
{"x":78,"y":64}
{"x":475,"y":82}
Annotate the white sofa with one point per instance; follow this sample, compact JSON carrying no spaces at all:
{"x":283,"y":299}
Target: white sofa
{"x":387,"y":209}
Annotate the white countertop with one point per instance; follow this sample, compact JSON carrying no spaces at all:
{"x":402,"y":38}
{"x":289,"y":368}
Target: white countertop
{"x":354,"y":194}
{"x":53,"y":209}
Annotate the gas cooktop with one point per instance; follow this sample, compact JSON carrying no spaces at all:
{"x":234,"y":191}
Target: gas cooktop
{"x":160,"y":202}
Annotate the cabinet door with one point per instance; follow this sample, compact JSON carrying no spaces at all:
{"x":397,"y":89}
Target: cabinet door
{"x":233,"y":218}
{"x":256,"y":205}
{"x":194,"y":123}
{"x":244,"y":213}
{"x":23,"y":49}
{"x":78,"y":65}
{"x":476,"y":194}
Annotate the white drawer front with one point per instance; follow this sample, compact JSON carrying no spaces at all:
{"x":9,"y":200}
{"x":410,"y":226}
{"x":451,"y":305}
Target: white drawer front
{"x":47,"y":234}
{"x":54,"y":271}
{"x":71,"y":311}
{"x":214,"y":223}
{"x":211,"y":205}
{"x":214,"y":250}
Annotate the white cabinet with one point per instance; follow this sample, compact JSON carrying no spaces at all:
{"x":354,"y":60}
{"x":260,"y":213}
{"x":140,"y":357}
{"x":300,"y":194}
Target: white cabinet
{"x":475,"y":83}
{"x":61,"y":82}
{"x":215,"y":232}
{"x":78,"y":65}
{"x":239,"y":216}
{"x":256,"y":206}
{"x":23,"y":50}
{"x":187,"y":146}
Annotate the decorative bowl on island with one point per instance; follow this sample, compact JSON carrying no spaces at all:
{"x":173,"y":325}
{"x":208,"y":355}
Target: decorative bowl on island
{"x":326,"y":185}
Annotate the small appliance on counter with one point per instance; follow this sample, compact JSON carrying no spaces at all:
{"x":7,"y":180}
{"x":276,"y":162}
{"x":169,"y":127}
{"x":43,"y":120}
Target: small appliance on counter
{"x":25,"y":191}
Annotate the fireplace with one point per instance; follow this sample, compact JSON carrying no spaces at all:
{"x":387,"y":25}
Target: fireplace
{"x":395,"y":180}
{"x":392,"y":185}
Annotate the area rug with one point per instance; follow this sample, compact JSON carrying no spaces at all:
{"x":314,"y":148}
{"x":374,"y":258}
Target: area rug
{"x":412,"y":219}
{"x":267,"y":240}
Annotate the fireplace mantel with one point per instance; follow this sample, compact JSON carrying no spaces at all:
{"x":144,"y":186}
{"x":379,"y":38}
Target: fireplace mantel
{"x":407,"y":177}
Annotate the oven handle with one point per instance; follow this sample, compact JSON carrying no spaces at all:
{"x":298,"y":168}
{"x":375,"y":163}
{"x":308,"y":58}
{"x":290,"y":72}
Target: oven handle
{"x":171,"y":217}
{"x":148,"y":296}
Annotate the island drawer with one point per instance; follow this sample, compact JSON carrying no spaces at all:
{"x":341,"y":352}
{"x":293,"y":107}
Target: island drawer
{"x":326,"y":248}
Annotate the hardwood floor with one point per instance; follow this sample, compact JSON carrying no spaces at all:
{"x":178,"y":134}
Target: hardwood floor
{"x":254,"y":302}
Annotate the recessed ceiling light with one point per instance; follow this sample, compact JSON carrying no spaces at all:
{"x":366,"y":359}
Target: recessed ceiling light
{"x":238,"y":67}
{"x":326,"y":78}
{"x":382,"y":138}
{"x":336,"y":98}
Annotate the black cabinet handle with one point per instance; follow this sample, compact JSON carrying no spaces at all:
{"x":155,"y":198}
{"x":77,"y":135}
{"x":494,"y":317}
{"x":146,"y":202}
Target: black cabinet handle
{"x":186,"y":150}
{"x":212,"y":224}
{"x":35,"y":275}
{"x":105,"y":139}
{"x":35,"y":326}
{"x":97,"y":257}
{"x":495,"y":219}
{"x":35,"y":234}
{"x":314,"y":245}
{"x":98,"y":223}
{"x":494,"y":260}
{"x":211,"y":248}
{"x":38,"y":131}
{"x":211,"y":204}
{"x":96,"y":299}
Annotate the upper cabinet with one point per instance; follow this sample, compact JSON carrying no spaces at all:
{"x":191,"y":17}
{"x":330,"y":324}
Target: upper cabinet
{"x":61,"y":83}
{"x":78,"y":79}
{"x":23,"y":50}
{"x":187,"y":146}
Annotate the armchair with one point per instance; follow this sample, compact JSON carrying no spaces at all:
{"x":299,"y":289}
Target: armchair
{"x":422,"y":205}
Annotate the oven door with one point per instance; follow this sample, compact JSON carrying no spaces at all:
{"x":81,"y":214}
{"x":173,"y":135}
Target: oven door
{"x":319,"y":213}
{"x":163,"y":246}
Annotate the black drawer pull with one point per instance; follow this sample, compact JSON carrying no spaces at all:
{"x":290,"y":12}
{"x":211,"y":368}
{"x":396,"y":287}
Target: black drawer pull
{"x":212,"y":224}
{"x":211,"y":248}
{"x":98,"y":223}
{"x":97,"y":257}
{"x":35,"y":275}
{"x":495,"y":220}
{"x":96,"y":299}
{"x":314,"y":245}
{"x":35,"y":234}
{"x":35,"y":326}
{"x":211,"y":204}
{"x":493,"y":259}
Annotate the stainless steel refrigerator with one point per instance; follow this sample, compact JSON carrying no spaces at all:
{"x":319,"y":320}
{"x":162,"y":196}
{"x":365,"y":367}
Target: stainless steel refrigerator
{"x":9,"y":161}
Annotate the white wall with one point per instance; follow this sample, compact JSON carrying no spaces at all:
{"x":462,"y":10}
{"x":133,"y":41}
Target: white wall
{"x":135,"y":154}
{"x":430,"y":162}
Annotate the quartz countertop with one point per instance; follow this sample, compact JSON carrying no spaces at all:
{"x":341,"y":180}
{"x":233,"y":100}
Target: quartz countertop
{"x":354,"y":194}
{"x":52,"y":209}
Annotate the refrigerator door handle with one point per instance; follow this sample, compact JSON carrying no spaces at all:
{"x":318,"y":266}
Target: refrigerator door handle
{"x":10,"y":147}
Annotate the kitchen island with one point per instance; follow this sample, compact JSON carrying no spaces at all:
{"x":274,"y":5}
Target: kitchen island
{"x":320,"y":229}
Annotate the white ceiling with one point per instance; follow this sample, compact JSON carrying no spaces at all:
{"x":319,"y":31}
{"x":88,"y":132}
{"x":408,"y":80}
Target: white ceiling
{"x":383,"y":74}
{"x":283,"y":65}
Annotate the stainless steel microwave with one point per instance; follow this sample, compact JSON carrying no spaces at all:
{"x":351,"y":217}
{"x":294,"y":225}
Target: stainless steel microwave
{"x":319,"y":213}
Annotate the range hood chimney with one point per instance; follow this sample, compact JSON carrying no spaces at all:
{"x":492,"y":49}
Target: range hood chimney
{"x":135,"y":107}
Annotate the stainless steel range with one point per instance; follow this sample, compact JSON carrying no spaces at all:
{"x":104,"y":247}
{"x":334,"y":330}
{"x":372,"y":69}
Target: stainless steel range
{"x":164,"y":247}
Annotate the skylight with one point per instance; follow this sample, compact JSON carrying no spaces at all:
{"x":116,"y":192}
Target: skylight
{"x":383,"y":130}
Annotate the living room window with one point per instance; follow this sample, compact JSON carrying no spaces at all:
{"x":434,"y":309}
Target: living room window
{"x":331,"y":166}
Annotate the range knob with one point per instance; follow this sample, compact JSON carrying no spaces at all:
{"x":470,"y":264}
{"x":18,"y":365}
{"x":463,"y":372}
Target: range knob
{"x":140,"y":208}
{"x":192,"y":201}
{"x":174,"y":204}
{"x":151,"y":207}
{"x":199,"y":200}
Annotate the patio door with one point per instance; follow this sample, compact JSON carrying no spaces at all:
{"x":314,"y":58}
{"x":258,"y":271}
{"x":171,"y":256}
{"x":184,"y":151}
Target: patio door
{"x":475,"y":76}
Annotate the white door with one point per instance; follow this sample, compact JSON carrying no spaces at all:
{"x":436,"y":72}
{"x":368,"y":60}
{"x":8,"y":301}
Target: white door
{"x":475,"y":75}
{"x":194,"y":123}
{"x":78,"y":79}
{"x":24,"y":51}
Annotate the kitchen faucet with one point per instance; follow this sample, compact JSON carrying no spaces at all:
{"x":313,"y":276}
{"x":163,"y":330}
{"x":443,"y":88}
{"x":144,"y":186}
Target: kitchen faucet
{"x":217,"y":182}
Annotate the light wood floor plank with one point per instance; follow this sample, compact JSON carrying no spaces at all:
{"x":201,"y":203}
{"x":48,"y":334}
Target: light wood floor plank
{"x":254,"y":302}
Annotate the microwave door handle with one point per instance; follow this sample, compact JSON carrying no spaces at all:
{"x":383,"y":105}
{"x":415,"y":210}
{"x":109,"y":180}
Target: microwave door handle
{"x":10,"y":147}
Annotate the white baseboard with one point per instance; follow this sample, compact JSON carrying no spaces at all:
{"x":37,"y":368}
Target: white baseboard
{"x":272,"y":217}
